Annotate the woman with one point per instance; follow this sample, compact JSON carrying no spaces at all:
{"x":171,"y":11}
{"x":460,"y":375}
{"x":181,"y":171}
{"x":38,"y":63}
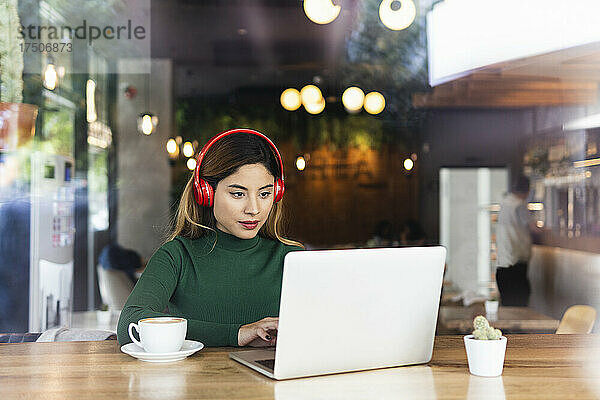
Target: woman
{"x":221,"y":267}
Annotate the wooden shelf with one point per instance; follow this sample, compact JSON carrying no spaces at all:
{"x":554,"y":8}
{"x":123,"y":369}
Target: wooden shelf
{"x":494,"y":90}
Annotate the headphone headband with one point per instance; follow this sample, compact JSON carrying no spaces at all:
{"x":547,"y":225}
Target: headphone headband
{"x":204,"y":150}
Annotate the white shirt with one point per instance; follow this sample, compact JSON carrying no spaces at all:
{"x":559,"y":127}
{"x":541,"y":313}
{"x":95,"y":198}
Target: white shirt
{"x":513,"y":238}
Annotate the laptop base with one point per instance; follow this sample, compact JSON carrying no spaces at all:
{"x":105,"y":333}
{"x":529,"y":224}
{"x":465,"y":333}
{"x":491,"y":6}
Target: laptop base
{"x":250,"y":357}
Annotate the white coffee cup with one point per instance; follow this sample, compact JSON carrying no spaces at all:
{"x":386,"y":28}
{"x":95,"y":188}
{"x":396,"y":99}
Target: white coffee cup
{"x":160,"y":334}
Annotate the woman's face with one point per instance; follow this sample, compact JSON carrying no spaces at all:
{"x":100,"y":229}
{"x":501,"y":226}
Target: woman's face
{"x":244,"y":200}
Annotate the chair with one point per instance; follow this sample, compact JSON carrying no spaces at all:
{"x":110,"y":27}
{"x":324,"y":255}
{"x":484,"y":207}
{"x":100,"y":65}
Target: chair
{"x":115,"y":286}
{"x":18,"y":337}
{"x":577,"y":319}
{"x":65,"y":334}
{"x":58,"y":335}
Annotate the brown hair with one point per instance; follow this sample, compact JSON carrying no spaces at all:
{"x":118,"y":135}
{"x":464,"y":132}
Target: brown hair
{"x":224,"y":158}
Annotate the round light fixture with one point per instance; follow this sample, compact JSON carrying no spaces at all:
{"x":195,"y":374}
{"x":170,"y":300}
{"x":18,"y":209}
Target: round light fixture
{"x":408,"y":164}
{"x":90,"y":100}
{"x":300,"y":163}
{"x":171,"y":146}
{"x":191,"y":164}
{"x":374,"y":103}
{"x":321,"y":11}
{"x":50,"y":77}
{"x":315,"y":108}
{"x":310,"y":94}
{"x":290,"y":99}
{"x":188,"y":149}
{"x":398,"y":19}
{"x":147,"y":123}
{"x":353,"y":99}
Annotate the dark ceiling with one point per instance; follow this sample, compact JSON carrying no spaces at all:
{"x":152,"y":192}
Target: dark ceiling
{"x":219,"y":46}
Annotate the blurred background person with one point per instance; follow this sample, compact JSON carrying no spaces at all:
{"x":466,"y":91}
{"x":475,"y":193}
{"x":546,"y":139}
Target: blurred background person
{"x":383,"y":235}
{"x":514,"y":245}
{"x":412,"y":234}
{"x":115,"y":257}
{"x":15,"y":208}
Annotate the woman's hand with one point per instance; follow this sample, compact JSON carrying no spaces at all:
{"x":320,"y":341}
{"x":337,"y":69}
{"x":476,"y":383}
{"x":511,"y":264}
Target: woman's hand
{"x":260,"y":333}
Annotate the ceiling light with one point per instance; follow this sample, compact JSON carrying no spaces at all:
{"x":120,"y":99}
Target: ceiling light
{"x":587,"y":163}
{"x":353,"y":99}
{"x":321,"y":11}
{"x":90,"y":100}
{"x":172,"y":146}
{"x":188,"y":149}
{"x":147,"y":123}
{"x":315,"y":108}
{"x":374,"y":103}
{"x":191,"y":164}
{"x":50,"y":77}
{"x":310,"y":94}
{"x":290,"y":99}
{"x":300,"y":163}
{"x":398,"y":19}
{"x":589,"y":122}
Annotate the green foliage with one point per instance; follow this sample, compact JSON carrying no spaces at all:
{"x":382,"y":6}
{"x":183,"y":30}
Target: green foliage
{"x":58,"y":128}
{"x":11,"y":58}
{"x":393,"y":62}
{"x":198,"y":120}
{"x":98,"y":168}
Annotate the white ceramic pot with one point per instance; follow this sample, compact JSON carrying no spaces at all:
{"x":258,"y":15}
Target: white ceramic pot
{"x":491,"y":307}
{"x":103,"y":317}
{"x":486,"y":357}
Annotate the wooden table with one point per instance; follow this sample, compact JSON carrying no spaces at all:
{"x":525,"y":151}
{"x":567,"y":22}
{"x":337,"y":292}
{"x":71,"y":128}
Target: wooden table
{"x":536,"y":367}
{"x":459,"y":320}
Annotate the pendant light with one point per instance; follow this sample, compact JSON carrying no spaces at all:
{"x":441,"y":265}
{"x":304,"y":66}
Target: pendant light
{"x":146,"y":121}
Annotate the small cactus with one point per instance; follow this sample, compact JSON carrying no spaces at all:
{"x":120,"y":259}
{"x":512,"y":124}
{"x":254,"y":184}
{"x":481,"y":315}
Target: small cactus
{"x":480,"y":334}
{"x":480,"y":322}
{"x":483,"y":330}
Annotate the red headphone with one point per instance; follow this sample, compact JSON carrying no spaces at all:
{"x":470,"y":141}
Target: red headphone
{"x":203,"y":191}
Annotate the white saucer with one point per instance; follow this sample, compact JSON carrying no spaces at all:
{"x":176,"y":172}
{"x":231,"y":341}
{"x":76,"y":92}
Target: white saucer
{"x":189,"y":347}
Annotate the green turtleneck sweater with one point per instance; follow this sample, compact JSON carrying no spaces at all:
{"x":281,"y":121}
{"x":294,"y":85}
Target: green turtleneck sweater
{"x":217,"y":291}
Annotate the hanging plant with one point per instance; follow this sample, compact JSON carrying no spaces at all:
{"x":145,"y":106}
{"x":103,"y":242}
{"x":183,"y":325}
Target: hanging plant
{"x":393,"y":62}
{"x":11,"y":57}
{"x":338,"y":130}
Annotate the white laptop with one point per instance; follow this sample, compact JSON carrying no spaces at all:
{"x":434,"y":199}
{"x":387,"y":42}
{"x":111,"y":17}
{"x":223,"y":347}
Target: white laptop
{"x":351,"y":310}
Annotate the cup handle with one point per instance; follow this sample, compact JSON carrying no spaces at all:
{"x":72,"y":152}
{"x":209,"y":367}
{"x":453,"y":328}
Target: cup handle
{"x":131,"y":327}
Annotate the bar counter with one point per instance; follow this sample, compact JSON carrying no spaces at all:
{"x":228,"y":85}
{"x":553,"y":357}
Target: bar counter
{"x":536,"y":367}
{"x":459,"y":320}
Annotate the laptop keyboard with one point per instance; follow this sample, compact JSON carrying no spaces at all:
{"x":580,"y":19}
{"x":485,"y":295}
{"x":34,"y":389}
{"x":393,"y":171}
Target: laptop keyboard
{"x":267,"y":363}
